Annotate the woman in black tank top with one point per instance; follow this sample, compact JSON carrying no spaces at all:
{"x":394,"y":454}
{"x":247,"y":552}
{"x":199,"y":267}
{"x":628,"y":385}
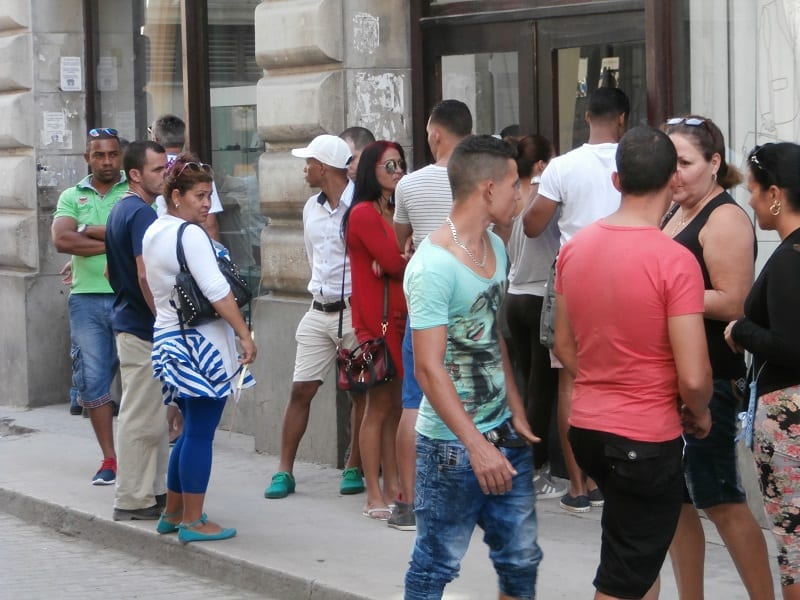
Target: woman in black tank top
{"x":708,"y":222}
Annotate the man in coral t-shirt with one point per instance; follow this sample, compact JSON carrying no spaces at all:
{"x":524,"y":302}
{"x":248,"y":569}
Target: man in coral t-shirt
{"x":629,"y":328}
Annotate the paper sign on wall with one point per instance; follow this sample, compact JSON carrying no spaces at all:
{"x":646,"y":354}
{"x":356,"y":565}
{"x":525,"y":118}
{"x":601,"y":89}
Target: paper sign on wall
{"x":71,"y":74}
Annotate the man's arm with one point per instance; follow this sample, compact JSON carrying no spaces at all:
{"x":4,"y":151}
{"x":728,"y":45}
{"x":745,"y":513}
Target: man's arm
{"x":403,"y":233}
{"x":211,"y":226}
{"x":565,"y":348}
{"x":687,"y":337}
{"x":143,"y":285}
{"x":515,"y":404}
{"x":538,"y":215}
{"x":66,"y":238}
{"x":492,"y":470}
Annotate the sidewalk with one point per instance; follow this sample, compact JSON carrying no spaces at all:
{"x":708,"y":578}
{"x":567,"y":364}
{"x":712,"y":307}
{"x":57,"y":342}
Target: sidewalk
{"x":312,"y":545}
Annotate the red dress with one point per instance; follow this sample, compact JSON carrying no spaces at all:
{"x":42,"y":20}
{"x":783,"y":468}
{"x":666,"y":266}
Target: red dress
{"x":370,"y":237}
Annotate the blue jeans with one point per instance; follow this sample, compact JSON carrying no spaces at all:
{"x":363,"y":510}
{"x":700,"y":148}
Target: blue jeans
{"x":94,"y":351}
{"x":449,"y":503}
{"x":412,"y":393}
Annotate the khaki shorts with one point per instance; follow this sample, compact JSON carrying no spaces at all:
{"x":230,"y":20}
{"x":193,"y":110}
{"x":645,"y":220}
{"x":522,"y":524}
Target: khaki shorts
{"x":316,"y":343}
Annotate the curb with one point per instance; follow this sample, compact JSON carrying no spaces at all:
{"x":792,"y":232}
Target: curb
{"x":194,"y":558}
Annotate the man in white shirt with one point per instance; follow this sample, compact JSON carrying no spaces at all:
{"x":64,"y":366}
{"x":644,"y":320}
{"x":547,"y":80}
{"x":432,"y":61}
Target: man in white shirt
{"x":423,"y":200}
{"x":170,"y":131}
{"x":317,"y":334}
{"x":580,"y":183}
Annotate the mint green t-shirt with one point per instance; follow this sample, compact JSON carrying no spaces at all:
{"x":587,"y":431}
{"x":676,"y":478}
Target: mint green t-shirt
{"x":85,"y":204}
{"x":440,"y":290}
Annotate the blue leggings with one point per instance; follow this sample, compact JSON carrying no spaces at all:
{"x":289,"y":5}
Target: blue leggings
{"x":190,"y":461}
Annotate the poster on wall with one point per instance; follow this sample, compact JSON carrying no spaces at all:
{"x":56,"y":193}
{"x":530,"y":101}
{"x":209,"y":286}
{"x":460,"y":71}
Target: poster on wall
{"x":609,"y":72}
{"x":71,"y":74}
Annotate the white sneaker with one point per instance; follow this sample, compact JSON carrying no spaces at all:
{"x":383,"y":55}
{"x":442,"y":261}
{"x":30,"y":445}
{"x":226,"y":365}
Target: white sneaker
{"x":545,"y":487}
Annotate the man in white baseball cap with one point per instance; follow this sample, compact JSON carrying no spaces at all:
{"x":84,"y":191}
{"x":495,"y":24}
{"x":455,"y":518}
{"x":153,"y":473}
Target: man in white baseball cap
{"x":326,"y":168}
{"x":327,"y":149}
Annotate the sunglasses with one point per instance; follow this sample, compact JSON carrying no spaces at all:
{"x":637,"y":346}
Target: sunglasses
{"x":753,"y":160}
{"x":392,"y":166}
{"x":101,"y":131}
{"x":194,"y":166}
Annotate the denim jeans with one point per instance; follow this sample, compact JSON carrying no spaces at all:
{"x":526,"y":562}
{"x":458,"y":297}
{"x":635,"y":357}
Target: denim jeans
{"x":94,"y":353}
{"x":449,"y":503}
{"x":412,"y":393}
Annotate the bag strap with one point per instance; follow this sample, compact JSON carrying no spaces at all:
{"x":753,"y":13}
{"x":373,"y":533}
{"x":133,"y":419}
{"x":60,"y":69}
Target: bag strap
{"x":385,"y":317}
{"x":341,"y":297}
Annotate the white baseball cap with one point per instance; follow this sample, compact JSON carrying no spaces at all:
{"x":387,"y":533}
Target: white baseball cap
{"x":327,"y":149}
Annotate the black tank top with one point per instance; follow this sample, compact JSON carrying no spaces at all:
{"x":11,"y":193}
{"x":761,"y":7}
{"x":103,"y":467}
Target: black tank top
{"x":725,"y":364}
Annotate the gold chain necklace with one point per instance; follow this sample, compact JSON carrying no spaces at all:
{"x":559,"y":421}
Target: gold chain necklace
{"x":678,"y":225}
{"x":463,"y":246}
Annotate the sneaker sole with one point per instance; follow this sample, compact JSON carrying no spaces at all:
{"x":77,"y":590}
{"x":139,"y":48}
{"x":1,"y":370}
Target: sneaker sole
{"x":276,"y":495}
{"x":351,"y":491}
{"x":597,"y":503}
{"x":102,"y":482}
{"x":129,"y":517}
{"x":550,"y":495}
{"x":575,"y":509}
{"x":403,"y":527}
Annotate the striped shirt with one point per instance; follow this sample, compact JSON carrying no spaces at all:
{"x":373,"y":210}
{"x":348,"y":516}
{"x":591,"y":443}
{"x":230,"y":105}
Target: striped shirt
{"x":423,"y":199}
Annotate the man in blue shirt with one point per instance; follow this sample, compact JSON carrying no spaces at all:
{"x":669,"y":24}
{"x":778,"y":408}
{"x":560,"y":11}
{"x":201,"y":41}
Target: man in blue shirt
{"x":142,"y":440}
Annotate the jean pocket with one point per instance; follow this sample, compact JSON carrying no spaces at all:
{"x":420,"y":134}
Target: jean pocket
{"x":643,"y":468}
{"x":453,"y":457}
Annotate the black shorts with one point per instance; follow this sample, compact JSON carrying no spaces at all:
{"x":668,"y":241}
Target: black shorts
{"x":642,"y":483}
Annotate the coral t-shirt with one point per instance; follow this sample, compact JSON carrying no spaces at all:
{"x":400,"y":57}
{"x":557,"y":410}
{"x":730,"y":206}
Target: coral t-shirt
{"x":620,"y":285}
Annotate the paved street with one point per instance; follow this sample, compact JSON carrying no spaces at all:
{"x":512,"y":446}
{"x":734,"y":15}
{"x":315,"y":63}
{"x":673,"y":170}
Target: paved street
{"x":38,"y":564}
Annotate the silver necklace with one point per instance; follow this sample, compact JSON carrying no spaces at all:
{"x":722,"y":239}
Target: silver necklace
{"x":480,"y":264}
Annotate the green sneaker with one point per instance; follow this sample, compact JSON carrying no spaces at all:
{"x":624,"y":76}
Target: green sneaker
{"x":352,"y":482}
{"x":282,"y":485}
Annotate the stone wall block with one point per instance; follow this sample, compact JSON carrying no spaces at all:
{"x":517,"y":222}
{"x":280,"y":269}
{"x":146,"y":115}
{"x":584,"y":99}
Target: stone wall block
{"x":57,"y":15}
{"x":376,"y":34}
{"x":284,"y":265}
{"x":17,"y":187}
{"x":294,"y":33}
{"x":18,"y":241}
{"x":380,"y":100}
{"x":283,"y":188}
{"x":15,"y":14}
{"x":16,"y":120}
{"x":300,"y":106}
{"x":50,"y":47}
{"x":16,"y":62}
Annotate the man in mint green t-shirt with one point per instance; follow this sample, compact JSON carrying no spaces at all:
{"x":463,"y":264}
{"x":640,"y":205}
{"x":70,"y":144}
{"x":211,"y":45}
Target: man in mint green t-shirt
{"x":79,"y":228}
{"x":474,"y":459}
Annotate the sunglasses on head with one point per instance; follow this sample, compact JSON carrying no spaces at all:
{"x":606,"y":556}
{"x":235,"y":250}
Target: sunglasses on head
{"x":394,"y":165}
{"x":101,"y":131}
{"x":753,"y":160}
{"x":193,"y":166}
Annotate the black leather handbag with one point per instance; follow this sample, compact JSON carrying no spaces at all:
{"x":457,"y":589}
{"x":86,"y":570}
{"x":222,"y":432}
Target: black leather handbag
{"x":192,"y":306}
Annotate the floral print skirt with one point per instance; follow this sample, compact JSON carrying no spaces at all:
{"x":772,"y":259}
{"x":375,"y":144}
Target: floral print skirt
{"x":776,"y":450}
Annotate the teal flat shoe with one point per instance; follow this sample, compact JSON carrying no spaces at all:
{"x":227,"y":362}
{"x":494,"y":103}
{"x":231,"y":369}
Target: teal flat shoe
{"x":186,"y":534}
{"x":164,"y":527}
{"x":281,"y":486}
{"x":352,"y":482}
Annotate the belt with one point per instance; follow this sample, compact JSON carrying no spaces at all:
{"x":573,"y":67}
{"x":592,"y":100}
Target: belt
{"x":337,"y":306}
{"x":504,"y":436}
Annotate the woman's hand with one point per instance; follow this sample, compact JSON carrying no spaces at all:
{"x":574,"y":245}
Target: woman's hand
{"x":249,"y":350}
{"x":729,"y":338}
{"x":376,"y":269}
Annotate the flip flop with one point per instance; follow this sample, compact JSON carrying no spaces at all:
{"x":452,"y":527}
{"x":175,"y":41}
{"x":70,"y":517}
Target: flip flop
{"x":371,"y":512}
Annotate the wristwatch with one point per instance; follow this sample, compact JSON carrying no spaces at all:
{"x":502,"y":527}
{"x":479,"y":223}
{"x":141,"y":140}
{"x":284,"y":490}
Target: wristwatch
{"x":82,"y":228}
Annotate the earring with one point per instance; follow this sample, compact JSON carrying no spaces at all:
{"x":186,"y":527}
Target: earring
{"x":177,"y":205}
{"x":714,"y":177}
{"x":775,"y":208}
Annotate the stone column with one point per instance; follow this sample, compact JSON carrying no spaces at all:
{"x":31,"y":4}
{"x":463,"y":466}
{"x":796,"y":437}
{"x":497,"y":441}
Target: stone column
{"x":37,"y":159}
{"x":329,"y":64}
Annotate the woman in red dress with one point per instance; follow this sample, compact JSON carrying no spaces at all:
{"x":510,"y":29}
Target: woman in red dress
{"x":374,"y":258}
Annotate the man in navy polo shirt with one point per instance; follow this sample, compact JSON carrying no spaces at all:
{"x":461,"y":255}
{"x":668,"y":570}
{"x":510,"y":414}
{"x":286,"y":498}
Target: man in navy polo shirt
{"x":142,"y":440}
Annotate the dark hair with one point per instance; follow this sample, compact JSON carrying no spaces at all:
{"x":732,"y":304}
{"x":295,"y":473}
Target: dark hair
{"x":136,"y":155}
{"x":367,"y":188}
{"x":608,"y":103}
{"x":99,"y":137}
{"x":454,"y":116}
{"x":181,"y":179}
{"x":510,"y":131}
{"x":708,"y":139}
{"x":170,"y":130}
{"x":530,"y":150}
{"x":777,"y":164}
{"x":646,"y":159}
{"x":360,"y":136}
{"x":477,"y":158}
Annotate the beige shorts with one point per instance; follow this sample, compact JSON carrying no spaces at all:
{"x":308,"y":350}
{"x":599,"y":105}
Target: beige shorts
{"x":316,"y":343}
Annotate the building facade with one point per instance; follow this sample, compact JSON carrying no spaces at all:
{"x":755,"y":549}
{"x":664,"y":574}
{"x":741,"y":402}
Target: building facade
{"x":254,"y":79}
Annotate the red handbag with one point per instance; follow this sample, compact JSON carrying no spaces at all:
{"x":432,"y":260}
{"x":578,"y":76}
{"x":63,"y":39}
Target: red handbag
{"x":369,"y":364}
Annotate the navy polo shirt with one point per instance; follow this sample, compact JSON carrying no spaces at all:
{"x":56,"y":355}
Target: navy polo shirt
{"x":128,"y":221}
